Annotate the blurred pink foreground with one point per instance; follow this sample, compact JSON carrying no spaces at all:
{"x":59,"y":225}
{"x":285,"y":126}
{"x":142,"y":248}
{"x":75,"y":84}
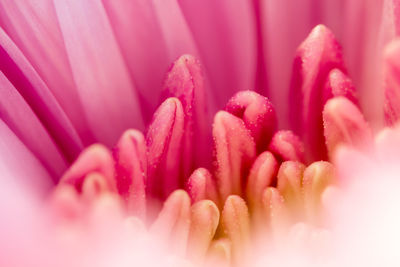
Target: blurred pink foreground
{"x":199,"y":133}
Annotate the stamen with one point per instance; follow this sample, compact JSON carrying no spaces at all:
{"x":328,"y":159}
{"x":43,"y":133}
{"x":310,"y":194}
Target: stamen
{"x":94,"y":185}
{"x":344,"y":124}
{"x":204,"y":222}
{"x":185,"y":81}
{"x":262,"y":175}
{"x":236,"y":223}
{"x":317,"y":177}
{"x":95,"y":158}
{"x":258,"y":115}
{"x":164,"y":147}
{"x":131,"y":171}
{"x":315,"y":58}
{"x":392,"y":82}
{"x":201,"y":186}
{"x":290,"y":176}
{"x":235,"y":150}
{"x":287,"y":146}
{"x":275,"y":214}
{"x":338,"y":84}
{"x":173,"y":222}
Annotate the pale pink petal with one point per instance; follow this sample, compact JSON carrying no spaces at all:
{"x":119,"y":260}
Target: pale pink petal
{"x":23,"y":221}
{"x":235,"y":150}
{"x":138,"y":32}
{"x":33,"y":26}
{"x":25,"y":124}
{"x":131,"y":170}
{"x":94,"y":159}
{"x":284,"y":24}
{"x":392,"y":82}
{"x":261,"y":82}
{"x":257,"y":113}
{"x":176,"y":34}
{"x":105,"y":88}
{"x":315,"y":58}
{"x":164,"y":146}
{"x":185,"y":81}
{"x":19,"y":166}
{"x":226,"y":35}
{"x":391,"y":9}
{"x":35,"y":92}
{"x":345,"y":124}
{"x":331,"y":14}
{"x":363,"y":44}
{"x":287,"y":146}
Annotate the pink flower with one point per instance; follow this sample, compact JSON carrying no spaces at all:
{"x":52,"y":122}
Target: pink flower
{"x":202,"y":132}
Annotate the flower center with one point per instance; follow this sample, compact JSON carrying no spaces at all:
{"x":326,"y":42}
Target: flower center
{"x":211,"y":190}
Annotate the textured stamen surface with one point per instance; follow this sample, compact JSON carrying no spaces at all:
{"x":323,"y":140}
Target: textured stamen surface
{"x":264,"y":183}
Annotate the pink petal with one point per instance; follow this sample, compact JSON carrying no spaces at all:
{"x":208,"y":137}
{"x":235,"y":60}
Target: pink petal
{"x":226,"y":36}
{"x":19,"y":117}
{"x":331,"y":14}
{"x":94,"y":159}
{"x":164,"y":146}
{"x":262,"y":175}
{"x":287,"y":146}
{"x":344,"y":124}
{"x":284,"y":24}
{"x":363,"y":44}
{"x":235,"y":151}
{"x":35,"y":92}
{"x":315,"y":58}
{"x":19,"y":167}
{"x":136,"y":28}
{"x":392,"y":82}
{"x":200,"y":185}
{"x":33,"y":27}
{"x":257,"y":113}
{"x":23,"y":218}
{"x":391,"y":17}
{"x":131,"y":170}
{"x":185,"y":81}
{"x":103,"y":83}
{"x":176,"y":33}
